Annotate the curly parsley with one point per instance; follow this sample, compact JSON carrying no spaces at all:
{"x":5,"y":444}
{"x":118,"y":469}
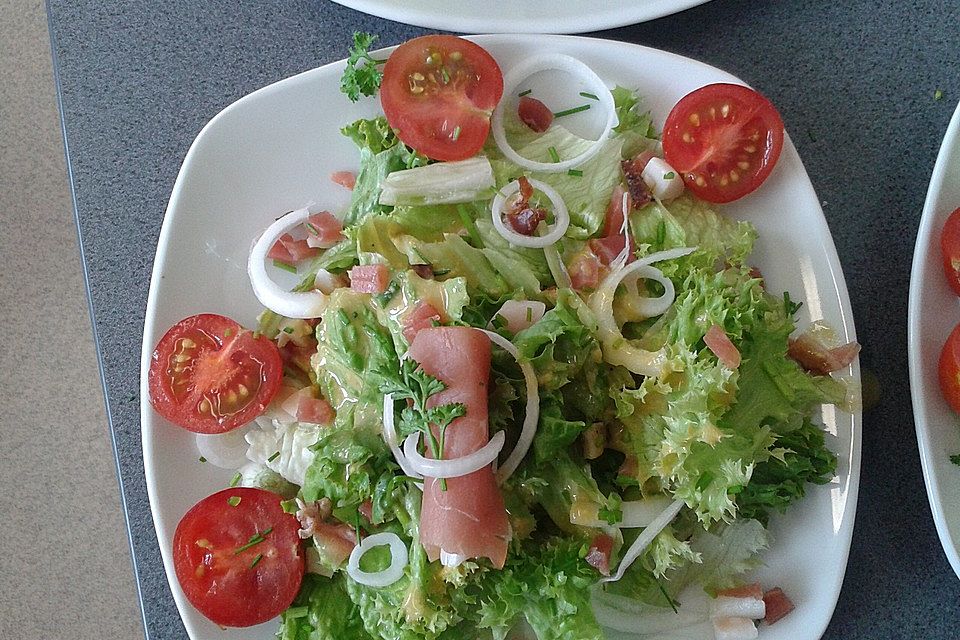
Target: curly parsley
{"x":363,"y":74}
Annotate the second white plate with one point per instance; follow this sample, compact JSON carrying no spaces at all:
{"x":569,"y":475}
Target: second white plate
{"x":933,"y":313}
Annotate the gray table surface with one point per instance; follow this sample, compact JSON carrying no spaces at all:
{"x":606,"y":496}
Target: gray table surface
{"x":853,"y":79}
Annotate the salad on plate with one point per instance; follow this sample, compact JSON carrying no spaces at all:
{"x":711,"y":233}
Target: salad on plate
{"x":528,"y":384}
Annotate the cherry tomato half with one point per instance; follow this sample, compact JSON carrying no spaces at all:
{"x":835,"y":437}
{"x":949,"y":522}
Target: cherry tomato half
{"x":210,"y":375}
{"x":950,"y":248}
{"x":238,"y":557}
{"x":438,"y":93}
{"x":950,"y":369}
{"x":724,"y":140}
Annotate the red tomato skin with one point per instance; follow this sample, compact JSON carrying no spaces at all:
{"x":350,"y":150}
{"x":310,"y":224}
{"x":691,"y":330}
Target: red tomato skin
{"x":235,"y":356}
{"x":708,"y":154}
{"x":442,"y":120}
{"x":950,"y":248}
{"x":949,"y":369}
{"x":219,"y":581}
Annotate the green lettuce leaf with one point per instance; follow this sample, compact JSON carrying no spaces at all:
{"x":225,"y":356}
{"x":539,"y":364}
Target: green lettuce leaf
{"x":322,"y":611}
{"x":635,"y":128}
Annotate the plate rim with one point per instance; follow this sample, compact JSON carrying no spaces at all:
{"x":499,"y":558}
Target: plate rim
{"x":839,"y":281}
{"x":950,"y":146}
{"x":599,"y":21}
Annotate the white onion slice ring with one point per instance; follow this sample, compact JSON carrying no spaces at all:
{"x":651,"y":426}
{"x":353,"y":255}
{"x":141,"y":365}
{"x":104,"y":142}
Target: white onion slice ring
{"x":385,"y":578}
{"x":636,"y":514}
{"x":451,"y":467}
{"x":291,"y":304}
{"x":532,"y":417}
{"x":624,"y":255}
{"x":617,"y":350}
{"x":561,"y":217}
{"x":561,"y":277}
{"x":547,"y":62}
{"x":224,"y":450}
{"x":390,"y":437}
{"x":645,"y":538}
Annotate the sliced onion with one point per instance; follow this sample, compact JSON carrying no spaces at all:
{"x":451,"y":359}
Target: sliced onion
{"x":624,"y":255}
{"x":224,"y":450}
{"x":451,"y":467}
{"x":452,"y":559}
{"x":520,"y":314}
{"x":561,"y":217}
{"x":398,"y":560}
{"x":727,"y":607}
{"x":645,"y":538}
{"x":532,"y":417}
{"x":616,"y":349}
{"x":292,"y":304}
{"x":561,"y":277}
{"x":546,"y":62}
{"x":636,"y":513}
{"x":623,"y":614}
{"x":390,"y":437}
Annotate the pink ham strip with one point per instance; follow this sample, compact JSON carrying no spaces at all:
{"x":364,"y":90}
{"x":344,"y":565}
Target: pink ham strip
{"x":469,"y":518}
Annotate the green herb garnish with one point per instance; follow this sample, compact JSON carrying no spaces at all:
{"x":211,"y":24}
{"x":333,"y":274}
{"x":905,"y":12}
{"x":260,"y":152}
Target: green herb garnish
{"x":202,"y":459}
{"x":256,"y":560}
{"x":567,"y":112}
{"x":524,"y":93}
{"x":236,"y":480}
{"x":363,"y":74}
{"x":670,"y":175}
{"x":553,"y":154}
{"x":279,"y":264}
{"x":589,"y":95}
{"x":274,"y":456}
{"x":575,"y":172}
{"x":233,"y":501}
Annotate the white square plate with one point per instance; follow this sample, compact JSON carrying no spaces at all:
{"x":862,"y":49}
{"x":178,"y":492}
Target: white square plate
{"x":933,"y":313}
{"x":273,"y":151}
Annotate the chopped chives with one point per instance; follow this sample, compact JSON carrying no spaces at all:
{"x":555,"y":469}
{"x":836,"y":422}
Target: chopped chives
{"x":289,"y":506}
{"x":456,"y":133}
{"x":233,"y":501}
{"x":567,"y":112}
{"x":236,"y":480}
{"x":227,"y":333}
{"x":575,"y":172}
{"x":256,"y":560}
{"x":553,"y":154}
{"x":288,"y":329}
{"x":938,"y":94}
{"x":254,"y":540}
{"x":585,"y":94}
{"x":274,"y":456}
{"x":202,"y":459}
{"x":529,"y":314}
{"x":313,"y":229}
{"x":279,"y":264}
{"x":470,"y":226}
{"x":670,"y":175}
{"x":524,"y":93}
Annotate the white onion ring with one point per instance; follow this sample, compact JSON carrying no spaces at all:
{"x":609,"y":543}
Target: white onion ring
{"x":532,"y":417}
{"x":291,"y":304}
{"x":451,"y":467}
{"x":645,"y":538}
{"x":398,"y":560}
{"x":561,"y":217}
{"x":616,"y":349}
{"x":451,"y":559}
{"x":624,"y":255}
{"x":559,"y":62}
{"x":561,"y":277}
{"x":636,"y":514}
{"x":224,"y":450}
{"x":390,"y":437}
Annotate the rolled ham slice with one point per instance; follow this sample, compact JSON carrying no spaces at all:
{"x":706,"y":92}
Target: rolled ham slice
{"x":467,"y":520}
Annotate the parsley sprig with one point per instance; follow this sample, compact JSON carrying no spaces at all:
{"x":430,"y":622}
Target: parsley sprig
{"x":363,"y":73}
{"x":417,"y":386}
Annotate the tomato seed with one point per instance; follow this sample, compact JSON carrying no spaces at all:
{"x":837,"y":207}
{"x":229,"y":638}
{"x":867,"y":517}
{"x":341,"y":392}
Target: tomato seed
{"x":695,"y":119}
{"x":743,"y":165}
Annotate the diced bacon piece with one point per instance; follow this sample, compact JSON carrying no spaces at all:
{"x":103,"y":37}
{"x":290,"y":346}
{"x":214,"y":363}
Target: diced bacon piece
{"x":636,"y":185}
{"x":598,"y":555}
{"x":734,"y":629}
{"x":346,"y":179}
{"x":720,"y":344}
{"x":630,"y":467}
{"x":315,"y":410}
{"x":323,"y":230}
{"x":727,"y":607}
{"x":420,"y":317}
{"x":585,"y":271}
{"x":614,"y":220}
{"x":744,"y":591}
{"x":469,"y":518}
{"x":778,"y":605}
{"x":279,"y":251}
{"x":607,"y":249}
{"x":366,"y":510}
{"x":425,"y":271}
{"x":526,"y":220}
{"x":298,"y":249}
{"x":534,"y":114}
{"x":370,"y":278}
{"x":299,"y":356}
{"x":817,"y":358}
{"x":334,"y":542}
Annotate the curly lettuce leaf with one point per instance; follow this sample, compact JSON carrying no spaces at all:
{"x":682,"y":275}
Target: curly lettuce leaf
{"x":322,"y":611}
{"x":635,"y":127}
